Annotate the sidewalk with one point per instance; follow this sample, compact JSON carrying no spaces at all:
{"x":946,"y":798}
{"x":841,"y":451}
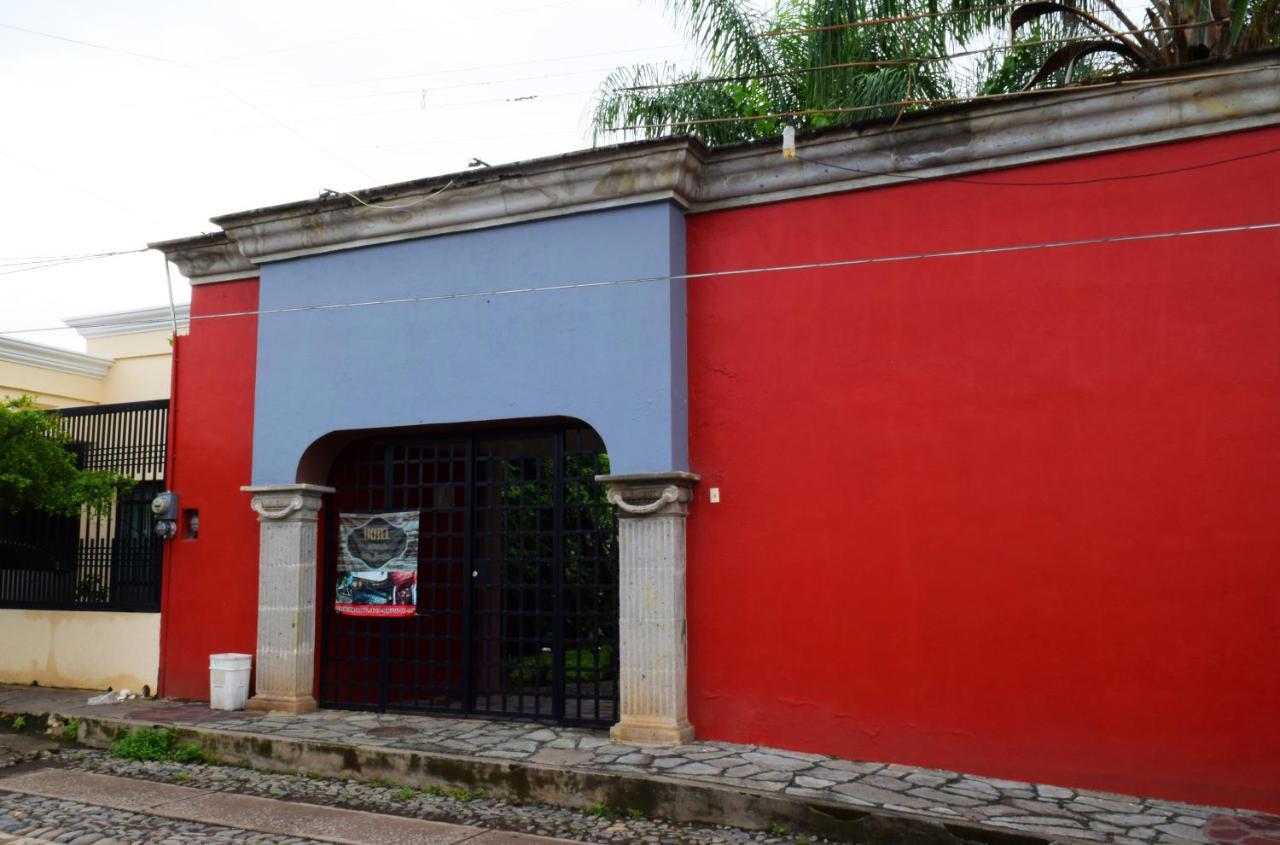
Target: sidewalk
{"x":217,"y":814}
{"x":710,"y":782}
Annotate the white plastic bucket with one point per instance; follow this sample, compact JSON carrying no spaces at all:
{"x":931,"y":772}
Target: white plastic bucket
{"x":229,"y":681}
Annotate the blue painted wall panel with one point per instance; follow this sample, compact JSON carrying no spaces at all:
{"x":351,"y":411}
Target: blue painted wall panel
{"x":612,"y":356}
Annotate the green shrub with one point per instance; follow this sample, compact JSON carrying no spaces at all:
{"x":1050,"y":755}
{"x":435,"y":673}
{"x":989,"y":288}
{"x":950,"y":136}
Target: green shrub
{"x":71,"y":730}
{"x":151,"y":744}
{"x":19,"y":722}
{"x":144,"y":744}
{"x":192,"y":752}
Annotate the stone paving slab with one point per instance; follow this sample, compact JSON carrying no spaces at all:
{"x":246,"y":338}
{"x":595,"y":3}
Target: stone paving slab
{"x":1048,"y":811}
{"x":102,"y":790}
{"x":38,"y":820}
{"x":283,"y":818}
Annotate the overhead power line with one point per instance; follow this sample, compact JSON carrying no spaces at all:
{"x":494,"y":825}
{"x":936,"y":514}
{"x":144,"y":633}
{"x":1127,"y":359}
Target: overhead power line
{"x":936,"y":101}
{"x":712,"y":80}
{"x":906,"y":60}
{"x":1059,"y":183}
{"x":10,"y":269}
{"x":941,"y":13}
{"x":719,"y":274}
{"x":202,"y":75}
{"x":346,"y":39}
{"x":20,"y":264}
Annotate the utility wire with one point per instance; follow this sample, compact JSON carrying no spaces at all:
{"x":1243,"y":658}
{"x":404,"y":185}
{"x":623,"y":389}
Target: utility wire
{"x":349,"y":38}
{"x":1043,"y":184}
{"x":276,"y":121}
{"x":806,"y":30}
{"x":466,"y":69}
{"x":15,"y":261}
{"x":938,"y":101}
{"x":417,"y":202}
{"x":202,"y":75}
{"x":6,"y":270}
{"x":713,"y":80}
{"x":717,"y":274}
{"x":26,"y":264}
{"x":916,"y":60}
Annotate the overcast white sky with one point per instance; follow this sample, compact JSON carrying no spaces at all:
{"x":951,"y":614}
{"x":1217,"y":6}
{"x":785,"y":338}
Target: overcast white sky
{"x":102,"y":151}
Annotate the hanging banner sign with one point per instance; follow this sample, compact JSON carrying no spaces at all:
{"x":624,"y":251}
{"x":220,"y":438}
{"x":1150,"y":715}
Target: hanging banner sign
{"x":377,"y":564}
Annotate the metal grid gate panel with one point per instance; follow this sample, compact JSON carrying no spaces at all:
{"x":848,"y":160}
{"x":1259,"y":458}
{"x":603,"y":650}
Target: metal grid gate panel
{"x":517,"y":579}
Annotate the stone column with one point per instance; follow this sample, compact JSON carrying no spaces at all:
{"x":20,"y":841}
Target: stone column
{"x":286,"y":595}
{"x":653,"y":661}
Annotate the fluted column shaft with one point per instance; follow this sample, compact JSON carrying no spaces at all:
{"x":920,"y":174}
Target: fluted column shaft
{"x":652,"y":626}
{"x":287,"y":515}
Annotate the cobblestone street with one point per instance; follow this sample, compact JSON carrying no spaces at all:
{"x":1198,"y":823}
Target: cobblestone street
{"x":1046,"y":811}
{"x":1041,"y":809}
{"x":58,"y":819}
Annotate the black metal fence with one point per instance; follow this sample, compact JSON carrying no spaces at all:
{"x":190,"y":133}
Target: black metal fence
{"x":106,"y":561}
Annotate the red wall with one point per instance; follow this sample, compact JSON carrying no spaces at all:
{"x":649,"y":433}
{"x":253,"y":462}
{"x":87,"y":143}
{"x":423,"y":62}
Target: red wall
{"x":210,"y":598}
{"x":1015,"y":514}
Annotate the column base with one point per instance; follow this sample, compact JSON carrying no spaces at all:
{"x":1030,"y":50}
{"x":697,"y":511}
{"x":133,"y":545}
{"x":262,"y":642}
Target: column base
{"x":637,"y":732}
{"x":301,"y":704}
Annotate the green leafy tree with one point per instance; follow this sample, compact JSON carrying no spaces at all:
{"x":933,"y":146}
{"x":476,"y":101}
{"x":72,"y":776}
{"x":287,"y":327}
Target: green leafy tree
{"x":38,"y":468}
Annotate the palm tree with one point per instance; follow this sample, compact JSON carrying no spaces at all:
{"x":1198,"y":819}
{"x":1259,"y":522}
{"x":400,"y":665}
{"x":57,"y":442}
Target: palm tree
{"x":1064,"y":42}
{"x":803,"y":64}
{"x":756,"y":64}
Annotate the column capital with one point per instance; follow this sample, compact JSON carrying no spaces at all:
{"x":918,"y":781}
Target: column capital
{"x":650,"y":493}
{"x":286,"y":502}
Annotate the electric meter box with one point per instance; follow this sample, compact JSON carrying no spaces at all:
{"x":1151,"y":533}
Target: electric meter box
{"x":165,"y":506}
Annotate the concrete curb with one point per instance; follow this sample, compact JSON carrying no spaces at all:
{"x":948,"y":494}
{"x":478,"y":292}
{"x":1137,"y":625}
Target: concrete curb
{"x":656,"y":796}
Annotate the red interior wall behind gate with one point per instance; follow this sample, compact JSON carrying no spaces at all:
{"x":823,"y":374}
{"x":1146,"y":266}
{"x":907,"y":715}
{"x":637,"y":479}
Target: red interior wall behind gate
{"x":1012,"y":514}
{"x":210,"y":601}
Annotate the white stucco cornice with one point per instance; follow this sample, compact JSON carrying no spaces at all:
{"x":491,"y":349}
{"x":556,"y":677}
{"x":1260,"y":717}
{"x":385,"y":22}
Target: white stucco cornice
{"x":207,"y":258}
{"x":1182,"y":104}
{"x":1046,"y":127}
{"x":52,"y":358}
{"x":627,"y":174}
{"x":136,"y":321}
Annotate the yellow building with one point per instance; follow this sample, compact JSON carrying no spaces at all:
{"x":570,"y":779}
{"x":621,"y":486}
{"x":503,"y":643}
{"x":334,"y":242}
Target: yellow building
{"x":128,"y":359}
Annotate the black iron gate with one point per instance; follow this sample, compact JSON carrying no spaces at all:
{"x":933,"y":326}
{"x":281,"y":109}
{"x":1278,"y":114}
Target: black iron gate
{"x":103,"y":561}
{"x":517,"y":611}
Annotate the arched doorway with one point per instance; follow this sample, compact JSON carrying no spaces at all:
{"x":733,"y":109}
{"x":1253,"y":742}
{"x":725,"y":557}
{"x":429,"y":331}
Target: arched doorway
{"x":517,"y":576}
